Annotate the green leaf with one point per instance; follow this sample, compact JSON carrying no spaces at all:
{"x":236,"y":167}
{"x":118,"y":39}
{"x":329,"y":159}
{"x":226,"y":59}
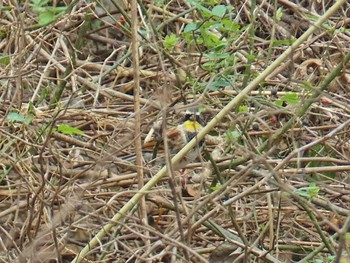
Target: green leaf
{"x":204,"y":11}
{"x":290,"y":98}
{"x":209,"y":65}
{"x":216,"y":55}
{"x":215,"y":85}
{"x":47,"y":13}
{"x":332,"y":258}
{"x":210,"y":39}
{"x":308,"y":192}
{"x":216,"y":187}
{"x":230,"y":26}
{"x":243,"y":108}
{"x":313,"y":190}
{"x":213,"y":2}
{"x":3,"y":33}
{"x":5,"y":60}
{"x":279,"y":14}
{"x":46,"y":18}
{"x":190,"y":27}
{"x":14,"y":116}
{"x":17,"y":117}
{"x":232,"y":136}
{"x":57,"y":9}
{"x":250,"y":56}
{"x":69,"y":130}
{"x":36,"y":4}
{"x":28,"y":120}
{"x":221,"y":83}
{"x":219,"y":11}
{"x":170,"y":41}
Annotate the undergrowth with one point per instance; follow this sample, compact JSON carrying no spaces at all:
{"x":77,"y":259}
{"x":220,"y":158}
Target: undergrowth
{"x":272,"y":182}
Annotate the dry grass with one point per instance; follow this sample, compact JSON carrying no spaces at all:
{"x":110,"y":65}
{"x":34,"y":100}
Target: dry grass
{"x":58,"y":190}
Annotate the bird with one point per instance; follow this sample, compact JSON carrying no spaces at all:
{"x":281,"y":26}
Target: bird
{"x":177,"y":137}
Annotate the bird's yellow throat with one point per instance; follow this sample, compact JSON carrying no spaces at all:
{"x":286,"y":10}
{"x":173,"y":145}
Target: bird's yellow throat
{"x":191,"y":126}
